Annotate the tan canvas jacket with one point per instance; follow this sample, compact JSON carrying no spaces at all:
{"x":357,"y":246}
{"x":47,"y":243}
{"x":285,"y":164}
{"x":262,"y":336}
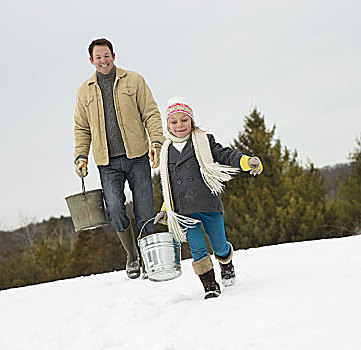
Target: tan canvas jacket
{"x":136,"y":110}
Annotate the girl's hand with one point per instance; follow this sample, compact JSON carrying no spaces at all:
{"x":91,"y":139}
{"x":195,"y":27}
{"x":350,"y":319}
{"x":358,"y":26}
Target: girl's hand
{"x":161,"y":217}
{"x":256,"y":166}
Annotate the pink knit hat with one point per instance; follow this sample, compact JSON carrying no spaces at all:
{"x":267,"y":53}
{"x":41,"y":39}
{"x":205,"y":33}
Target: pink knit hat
{"x":178,"y":104}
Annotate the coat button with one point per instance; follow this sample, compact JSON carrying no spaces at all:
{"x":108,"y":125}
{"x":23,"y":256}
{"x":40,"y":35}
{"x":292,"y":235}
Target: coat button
{"x":188,"y":166}
{"x":191,"y":192}
{"x":179,"y":182}
{"x":182,"y":195}
{"x":190,"y":179}
{"x":176,"y":168}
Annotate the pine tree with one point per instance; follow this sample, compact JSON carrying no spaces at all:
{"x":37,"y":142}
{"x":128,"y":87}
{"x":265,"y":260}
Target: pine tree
{"x":302,"y":210}
{"x":349,"y":206}
{"x":250,"y":211}
{"x":285,"y":203}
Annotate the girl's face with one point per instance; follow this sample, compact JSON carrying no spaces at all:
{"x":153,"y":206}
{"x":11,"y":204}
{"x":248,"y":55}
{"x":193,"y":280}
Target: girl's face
{"x":180,"y":124}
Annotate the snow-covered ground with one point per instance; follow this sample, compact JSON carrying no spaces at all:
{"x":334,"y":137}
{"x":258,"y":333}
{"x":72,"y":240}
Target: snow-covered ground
{"x":291,"y":296}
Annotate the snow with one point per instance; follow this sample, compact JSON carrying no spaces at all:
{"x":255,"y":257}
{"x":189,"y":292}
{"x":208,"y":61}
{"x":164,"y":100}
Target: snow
{"x":292,"y":296}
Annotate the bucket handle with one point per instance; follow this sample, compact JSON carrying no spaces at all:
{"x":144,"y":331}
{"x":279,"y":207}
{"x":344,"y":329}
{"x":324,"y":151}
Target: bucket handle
{"x":141,"y":230}
{"x":83,"y":185}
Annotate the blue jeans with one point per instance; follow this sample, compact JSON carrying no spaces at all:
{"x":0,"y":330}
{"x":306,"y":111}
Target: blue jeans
{"x":113,"y":177}
{"x":214,"y":227}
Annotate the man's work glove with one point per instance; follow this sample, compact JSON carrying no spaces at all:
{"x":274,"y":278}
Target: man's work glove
{"x":155,"y":154}
{"x":253,"y":164}
{"x":161,"y":217}
{"x":81,"y":167}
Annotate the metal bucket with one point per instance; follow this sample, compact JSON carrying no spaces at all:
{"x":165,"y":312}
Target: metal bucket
{"x":161,"y":255}
{"x":87,"y":209}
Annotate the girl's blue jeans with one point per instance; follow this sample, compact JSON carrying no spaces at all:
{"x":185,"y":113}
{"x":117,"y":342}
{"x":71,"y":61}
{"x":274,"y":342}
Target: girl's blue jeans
{"x":214,"y":227}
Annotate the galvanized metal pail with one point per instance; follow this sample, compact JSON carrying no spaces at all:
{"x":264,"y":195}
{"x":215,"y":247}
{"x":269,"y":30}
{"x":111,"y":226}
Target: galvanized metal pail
{"x":161,"y":255}
{"x":87,"y":209}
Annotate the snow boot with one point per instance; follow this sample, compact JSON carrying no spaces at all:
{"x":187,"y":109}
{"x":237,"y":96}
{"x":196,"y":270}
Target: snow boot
{"x":227,"y":269}
{"x":228,"y":275}
{"x":204,"y":269}
{"x":127,"y":239}
{"x":211,"y":287}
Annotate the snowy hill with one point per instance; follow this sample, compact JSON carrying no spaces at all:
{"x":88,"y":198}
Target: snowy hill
{"x":291,"y":296}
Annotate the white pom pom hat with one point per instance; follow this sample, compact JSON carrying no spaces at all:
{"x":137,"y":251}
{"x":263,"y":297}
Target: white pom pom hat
{"x":178,"y":104}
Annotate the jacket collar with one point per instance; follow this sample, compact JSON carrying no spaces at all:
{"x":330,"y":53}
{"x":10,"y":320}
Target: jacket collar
{"x":187,"y":152}
{"x":119,"y":73}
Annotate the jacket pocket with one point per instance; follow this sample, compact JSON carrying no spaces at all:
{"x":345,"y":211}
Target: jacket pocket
{"x":127,"y":98}
{"x":128,"y":90}
{"x":86,"y":100}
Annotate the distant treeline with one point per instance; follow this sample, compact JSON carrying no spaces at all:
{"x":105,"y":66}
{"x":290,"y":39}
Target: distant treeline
{"x":288,"y":202}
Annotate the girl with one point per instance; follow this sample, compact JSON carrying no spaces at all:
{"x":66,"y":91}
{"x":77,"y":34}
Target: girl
{"x":193,"y":169}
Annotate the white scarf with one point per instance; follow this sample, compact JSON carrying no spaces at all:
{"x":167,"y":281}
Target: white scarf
{"x":213,"y":174}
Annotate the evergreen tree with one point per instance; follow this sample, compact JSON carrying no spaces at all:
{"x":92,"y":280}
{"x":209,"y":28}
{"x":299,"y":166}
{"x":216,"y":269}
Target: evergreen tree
{"x":302,"y":211}
{"x":284,"y":203}
{"x":349,"y":206}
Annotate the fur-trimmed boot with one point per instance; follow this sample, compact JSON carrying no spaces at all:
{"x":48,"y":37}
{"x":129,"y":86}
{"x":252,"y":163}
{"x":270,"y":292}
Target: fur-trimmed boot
{"x":127,"y":239}
{"x":204,"y":269}
{"x":227,"y":269}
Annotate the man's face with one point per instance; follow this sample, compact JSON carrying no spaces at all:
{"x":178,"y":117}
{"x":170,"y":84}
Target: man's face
{"x":102,"y":59}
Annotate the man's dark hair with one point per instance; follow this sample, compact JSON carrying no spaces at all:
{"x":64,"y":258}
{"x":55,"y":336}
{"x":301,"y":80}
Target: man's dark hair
{"x":99,"y":42}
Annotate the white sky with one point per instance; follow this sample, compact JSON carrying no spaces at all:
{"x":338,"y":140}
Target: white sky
{"x":297,"y":61}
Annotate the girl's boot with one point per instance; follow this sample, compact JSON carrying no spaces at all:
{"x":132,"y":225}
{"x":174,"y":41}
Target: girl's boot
{"x":204,"y":269}
{"x":227,"y":269}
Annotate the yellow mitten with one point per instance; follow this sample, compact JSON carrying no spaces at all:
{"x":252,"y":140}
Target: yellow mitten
{"x":253,"y":164}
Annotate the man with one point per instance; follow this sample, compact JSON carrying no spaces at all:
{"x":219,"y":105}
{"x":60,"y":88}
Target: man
{"x":114,"y":110}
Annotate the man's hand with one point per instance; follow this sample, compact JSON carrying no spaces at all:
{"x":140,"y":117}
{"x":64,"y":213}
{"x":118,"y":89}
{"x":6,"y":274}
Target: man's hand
{"x":256,"y":166}
{"x":81,"y":167}
{"x":155,"y":154}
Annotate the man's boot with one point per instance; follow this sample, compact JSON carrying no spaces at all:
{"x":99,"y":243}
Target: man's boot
{"x":227,"y":269}
{"x":144,"y":272}
{"x":128,"y":241}
{"x":204,"y":269}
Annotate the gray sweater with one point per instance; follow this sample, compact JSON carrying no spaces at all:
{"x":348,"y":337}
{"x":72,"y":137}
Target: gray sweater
{"x":114,"y":136}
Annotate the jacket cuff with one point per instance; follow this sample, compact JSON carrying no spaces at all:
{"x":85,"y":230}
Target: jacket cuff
{"x":244,"y":163}
{"x":157,"y":139}
{"x":78,"y":157}
{"x":158,"y":142}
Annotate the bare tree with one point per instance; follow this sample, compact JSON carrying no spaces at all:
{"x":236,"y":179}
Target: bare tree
{"x":27,"y":232}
